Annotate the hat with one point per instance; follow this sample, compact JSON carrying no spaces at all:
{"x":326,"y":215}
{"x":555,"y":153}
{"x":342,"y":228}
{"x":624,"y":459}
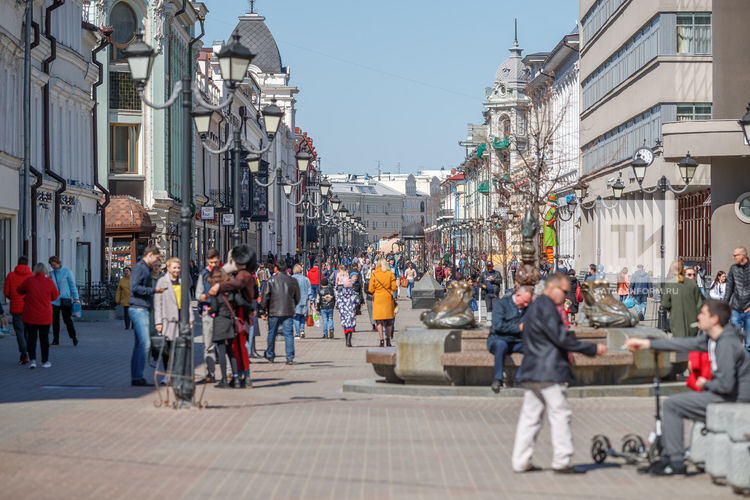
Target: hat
{"x":243,"y":255}
{"x":490,"y":264}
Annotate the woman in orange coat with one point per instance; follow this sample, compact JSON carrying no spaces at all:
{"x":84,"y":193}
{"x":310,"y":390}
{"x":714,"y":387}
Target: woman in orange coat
{"x":382,"y":286}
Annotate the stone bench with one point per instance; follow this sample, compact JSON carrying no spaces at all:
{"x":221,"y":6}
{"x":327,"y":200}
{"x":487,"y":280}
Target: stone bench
{"x":460,"y":357}
{"x":727,"y":445}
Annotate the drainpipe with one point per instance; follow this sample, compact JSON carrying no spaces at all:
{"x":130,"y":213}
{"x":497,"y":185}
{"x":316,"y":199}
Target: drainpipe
{"x":107,"y":32}
{"x":28,"y":212}
{"x":34,"y":187}
{"x":45,"y":118}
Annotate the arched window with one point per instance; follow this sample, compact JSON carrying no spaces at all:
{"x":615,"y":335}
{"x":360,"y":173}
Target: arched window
{"x":421,"y":206}
{"x":123,"y":21}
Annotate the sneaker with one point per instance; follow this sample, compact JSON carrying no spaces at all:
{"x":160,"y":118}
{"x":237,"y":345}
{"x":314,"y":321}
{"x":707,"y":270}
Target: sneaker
{"x":243,"y":383}
{"x":75,"y":340}
{"x":47,"y":364}
{"x":669,"y":469}
{"x":32,"y":365}
{"x":290,"y":362}
{"x":325,"y":335}
{"x":496,"y":386}
{"x":24,"y":360}
{"x":141,"y":383}
{"x":570,"y":470}
{"x":330,"y":335}
{"x":302,"y":335}
{"x":222,"y":385}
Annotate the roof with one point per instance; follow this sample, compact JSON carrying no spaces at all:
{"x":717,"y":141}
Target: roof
{"x":413,"y":231}
{"x":125,"y":214}
{"x":371,"y":188}
{"x":255,"y":35}
{"x":513,"y":72}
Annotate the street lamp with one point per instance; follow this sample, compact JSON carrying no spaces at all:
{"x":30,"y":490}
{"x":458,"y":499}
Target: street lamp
{"x":335,"y":203}
{"x":687,"y":168}
{"x":325,"y":188}
{"x":639,"y":168}
{"x":272,"y":116}
{"x":287,"y":187}
{"x":617,"y":188}
{"x":580,"y":189}
{"x":202,"y":119}
{"x":234,"y":59}
{"x":253,"y":163}
{"x":303,"y":160}
{"x":745,"y":124}
{"x":140,"y":57}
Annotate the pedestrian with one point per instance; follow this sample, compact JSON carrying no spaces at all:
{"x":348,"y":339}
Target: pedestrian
{"x":326,"y":303}
{"x":242,"y":264}
{"x":513,"y":266}
{"x":491,"y":282}
{"x":591,"y":275}
{"x":700,"y":278}
{"x":302,"y":307}
{"x":194,"y":273}
{"x":12,"y":281}
{"x":224,"y":330}
{"x":382,"y":286}
{"x":277,"y":304}
{"x":262,"y":274}
{"x":545,"y":374}
{"x":738,"y":292}
{"x":411,"y":277}
{"x":122,"y":296}
{"x":575,"y":296}
{"x":167,"y":307}
{"x":314,"y":276}
{"x":141,"y":303}
{"x":213,"y":261}
{"x":718,"y":288}
{"x":66,"y":285}
{"x":368,"y":295}
{"x":505,"y":332}
{"x":683,"y":300}
{"x":39,"y":292}
{"x":346,"y":302}
{"x":730,"y":380}
{"x":641,"y":288}
{"x":623,"y":284}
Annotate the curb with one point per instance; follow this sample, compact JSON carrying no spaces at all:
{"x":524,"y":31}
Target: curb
{"x":377,"y":386}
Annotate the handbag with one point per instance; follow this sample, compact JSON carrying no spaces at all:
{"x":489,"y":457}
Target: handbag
{"x":76,"y":310}
{"x":63,"y":301}
{"x":310,"y":321}
{"x":404,"y":282}
{"x":629,"y":302}
{"x":239,"y":323}
{"x":579,"y":295}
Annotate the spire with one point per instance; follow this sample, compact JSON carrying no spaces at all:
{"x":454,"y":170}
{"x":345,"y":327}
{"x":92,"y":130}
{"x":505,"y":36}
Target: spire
{"x":515,"y":21}
{"x":252,"y":6}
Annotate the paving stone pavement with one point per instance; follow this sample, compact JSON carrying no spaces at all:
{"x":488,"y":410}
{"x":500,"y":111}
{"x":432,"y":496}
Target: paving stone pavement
{"x":78,"y":430}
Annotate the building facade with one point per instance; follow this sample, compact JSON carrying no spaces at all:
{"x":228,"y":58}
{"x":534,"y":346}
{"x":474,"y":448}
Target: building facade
{"x":642,"y":65}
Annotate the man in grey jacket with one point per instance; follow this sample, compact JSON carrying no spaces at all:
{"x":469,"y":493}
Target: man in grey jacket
{"x":738,"y":292}
{"x":730,"y":381}
{"x":277,"y":303}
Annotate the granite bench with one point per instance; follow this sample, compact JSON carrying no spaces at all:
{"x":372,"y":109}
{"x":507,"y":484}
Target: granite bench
{"x":727,"y":457}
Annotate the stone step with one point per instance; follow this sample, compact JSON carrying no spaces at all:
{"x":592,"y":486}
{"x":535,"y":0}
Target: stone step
{"x":475,"y":358}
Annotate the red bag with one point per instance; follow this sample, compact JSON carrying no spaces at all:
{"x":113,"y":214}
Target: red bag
{"x":239,"y":324}
{"x":310,"y":321}
{"x":700,"y":366}
{"x":579,"y":295}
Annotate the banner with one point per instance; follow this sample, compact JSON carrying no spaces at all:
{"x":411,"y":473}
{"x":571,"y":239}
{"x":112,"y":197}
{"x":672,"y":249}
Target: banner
{"x":259,"y":208}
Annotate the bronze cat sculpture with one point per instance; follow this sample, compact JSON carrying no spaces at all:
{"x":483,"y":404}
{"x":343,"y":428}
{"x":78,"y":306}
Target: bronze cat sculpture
{"x":602,"y":309}
{"x":453,"y":310}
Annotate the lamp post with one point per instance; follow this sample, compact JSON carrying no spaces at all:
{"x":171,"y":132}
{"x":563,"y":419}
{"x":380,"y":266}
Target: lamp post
{"x":687,"y":167}
{"x":745,"y":124}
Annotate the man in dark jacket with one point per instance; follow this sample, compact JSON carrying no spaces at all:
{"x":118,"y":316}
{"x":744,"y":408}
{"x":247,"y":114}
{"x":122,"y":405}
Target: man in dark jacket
{"x":491,"y":282}
{"x":730,"y":380}
{"x":545,"y":372}
{"x":141,"y":301}
{"x":277,"y":303}
{"x":505,"y":333}
{"x":738,"y":292}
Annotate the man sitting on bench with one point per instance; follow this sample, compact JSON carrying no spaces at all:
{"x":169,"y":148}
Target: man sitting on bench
{"x":505,"y":333}
{"x":730,"y":366}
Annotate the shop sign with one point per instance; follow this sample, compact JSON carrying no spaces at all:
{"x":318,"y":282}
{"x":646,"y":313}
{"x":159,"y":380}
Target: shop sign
{"x":227,"y":219}
{"x":208,"y":213}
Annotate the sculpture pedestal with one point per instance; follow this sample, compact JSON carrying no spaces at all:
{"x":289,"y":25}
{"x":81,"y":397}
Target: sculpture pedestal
{"x":418,"y":355}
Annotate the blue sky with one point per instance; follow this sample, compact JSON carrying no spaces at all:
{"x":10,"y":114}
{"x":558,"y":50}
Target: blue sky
{"x":395,"y":81}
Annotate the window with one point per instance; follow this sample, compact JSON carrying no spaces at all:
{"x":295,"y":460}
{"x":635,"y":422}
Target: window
{"x":6,"y":242}
{"x":124,"y":149}
{"x":122,"y":91}
{"x":742,"y":207}
{"x":123,"y":21}
{"x":693,"y":112}
{"x":694,"y":33}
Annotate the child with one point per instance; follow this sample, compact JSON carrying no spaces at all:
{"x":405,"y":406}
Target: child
{"x":326,"y":303}
{"x":223,"y":312}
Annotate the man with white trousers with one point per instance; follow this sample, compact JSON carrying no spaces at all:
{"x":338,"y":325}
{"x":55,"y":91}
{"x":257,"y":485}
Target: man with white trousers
{"x":545,"y":373}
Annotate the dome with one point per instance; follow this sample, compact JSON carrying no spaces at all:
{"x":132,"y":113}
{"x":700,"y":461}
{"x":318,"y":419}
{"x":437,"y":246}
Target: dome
{"x":513,"y":72}
{"x":255,"y":35}
{"x":126,"y":215}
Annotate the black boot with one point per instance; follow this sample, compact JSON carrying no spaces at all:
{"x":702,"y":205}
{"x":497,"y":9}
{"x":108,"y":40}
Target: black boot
{"x":253,"y":352}
{"x":388,"y":342}
{"x":381,"y":343}
{"x":348,"y":339}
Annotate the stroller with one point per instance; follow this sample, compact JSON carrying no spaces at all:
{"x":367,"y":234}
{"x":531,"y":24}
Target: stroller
{"x":634,"y":449}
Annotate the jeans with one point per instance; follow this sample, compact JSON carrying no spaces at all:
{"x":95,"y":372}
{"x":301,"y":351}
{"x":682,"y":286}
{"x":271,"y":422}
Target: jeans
{"x":126,"y":316}
{"x":20,"y":335}
{"x":314,"y":290}
{"x":140,"y":318}
{"x":409,"y":287}
{"x":742,"y":321}
{"x":641,"y":301}
{"x":326,"y":316}
{"x":67,"y":311}
{"x":300,"y":321}
{"x":42,"y":331}
{"x":501,"y":347}
{"x":285,"y":322}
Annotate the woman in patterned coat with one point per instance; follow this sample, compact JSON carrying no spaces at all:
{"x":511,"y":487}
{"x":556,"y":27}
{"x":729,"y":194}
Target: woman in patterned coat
{"x":347,"y":301}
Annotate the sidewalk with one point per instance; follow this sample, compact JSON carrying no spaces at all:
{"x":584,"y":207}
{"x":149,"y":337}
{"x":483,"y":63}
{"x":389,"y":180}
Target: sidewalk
{"x":78,"y":430}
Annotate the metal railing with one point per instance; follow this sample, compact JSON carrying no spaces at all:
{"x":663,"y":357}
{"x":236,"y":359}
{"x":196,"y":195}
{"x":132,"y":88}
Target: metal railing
{"x":97,"y":295}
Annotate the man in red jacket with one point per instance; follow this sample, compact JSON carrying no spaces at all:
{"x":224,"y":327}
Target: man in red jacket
{"x":314,"y":276}
{"x":39,"y":292}
{"x":12,"y":281}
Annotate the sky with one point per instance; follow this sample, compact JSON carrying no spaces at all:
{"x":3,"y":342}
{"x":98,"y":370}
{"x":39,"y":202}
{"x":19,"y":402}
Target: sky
{"x":395,"y":81}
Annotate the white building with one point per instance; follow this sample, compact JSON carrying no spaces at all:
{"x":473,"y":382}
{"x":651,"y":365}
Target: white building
{"x":64,"y":216}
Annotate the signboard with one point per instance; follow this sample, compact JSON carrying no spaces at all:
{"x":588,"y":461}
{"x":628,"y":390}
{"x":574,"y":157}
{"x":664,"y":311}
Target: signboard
{"x":208,"y":213}
{"x":227,"y":219}
{"x":259,"y":209}
{"x":244,"y":224}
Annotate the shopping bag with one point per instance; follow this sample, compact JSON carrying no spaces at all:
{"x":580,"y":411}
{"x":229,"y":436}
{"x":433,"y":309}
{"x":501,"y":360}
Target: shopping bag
{"x":310,"y":321}
{"x":629,"y":302}
{"x":316,"y":318}
{"x":76,"y":310}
